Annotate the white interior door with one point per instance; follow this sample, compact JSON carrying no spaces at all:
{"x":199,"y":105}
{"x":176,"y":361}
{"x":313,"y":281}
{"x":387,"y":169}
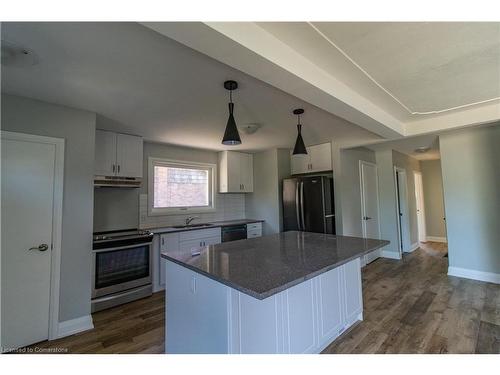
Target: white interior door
{"x":28,"y":189}
{"x":369,"y":205}
{"x":419,"y":197}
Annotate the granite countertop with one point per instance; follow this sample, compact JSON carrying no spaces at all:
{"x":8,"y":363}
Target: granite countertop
{"x":263,"y":266}
{"x":213,"y":224}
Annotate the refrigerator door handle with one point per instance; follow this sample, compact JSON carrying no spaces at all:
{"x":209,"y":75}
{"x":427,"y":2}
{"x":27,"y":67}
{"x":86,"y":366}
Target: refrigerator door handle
{"x":302,"y":205}
{"x":297,"y":205}
{"x":329,"y":216}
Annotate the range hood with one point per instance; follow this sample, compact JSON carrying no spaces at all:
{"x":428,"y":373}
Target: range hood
{"x":117,"y":182}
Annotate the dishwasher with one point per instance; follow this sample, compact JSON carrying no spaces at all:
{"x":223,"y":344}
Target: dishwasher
{"x":234,"y":232}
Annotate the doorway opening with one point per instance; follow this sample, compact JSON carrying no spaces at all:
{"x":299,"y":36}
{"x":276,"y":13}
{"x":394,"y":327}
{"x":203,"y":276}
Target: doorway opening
{"x":402,"y":211}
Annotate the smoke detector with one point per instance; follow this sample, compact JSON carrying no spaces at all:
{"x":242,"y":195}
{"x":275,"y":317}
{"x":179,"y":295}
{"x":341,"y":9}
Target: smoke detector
{"x":249,"y":128}
{"x":17,"y":56}
{"x":422,"y":149}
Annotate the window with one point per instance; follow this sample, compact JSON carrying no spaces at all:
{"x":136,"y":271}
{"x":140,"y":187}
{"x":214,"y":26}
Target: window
{"x":176,"y":187}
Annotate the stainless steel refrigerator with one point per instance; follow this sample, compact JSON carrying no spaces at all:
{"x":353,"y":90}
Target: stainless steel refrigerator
{"x":308,"y":204}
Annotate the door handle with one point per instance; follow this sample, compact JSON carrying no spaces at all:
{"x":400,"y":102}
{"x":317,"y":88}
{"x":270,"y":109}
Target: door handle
{"x":366,"y":218}
{"x":327,"y":216}
{"x":118,"y":168}
{"x":114,"y":168}
{"x":297,"y":205}
{"x":42,"y":247}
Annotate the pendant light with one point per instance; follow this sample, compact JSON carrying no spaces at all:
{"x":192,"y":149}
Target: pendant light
{"x":300,"y":147}
{"x":231,"y":135}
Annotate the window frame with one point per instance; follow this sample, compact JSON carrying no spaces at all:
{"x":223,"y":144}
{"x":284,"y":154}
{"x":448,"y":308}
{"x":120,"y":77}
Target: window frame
{"x":212,"y":168}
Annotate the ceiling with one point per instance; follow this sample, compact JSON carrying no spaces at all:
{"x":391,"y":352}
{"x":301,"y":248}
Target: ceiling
{"x":144,"y":83}
{"x":395,"y":79}
{"x":423,"y":67}
{"x":409,"y":145}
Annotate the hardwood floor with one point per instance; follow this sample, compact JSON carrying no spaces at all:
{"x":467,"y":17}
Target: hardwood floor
{"x":410,"y":306}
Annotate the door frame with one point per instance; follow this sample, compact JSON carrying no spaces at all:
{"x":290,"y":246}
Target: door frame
{"x":421,"y":225}
{"x":361,"y":180}
{"x":406,"y":207}
{"x":57,"y":219}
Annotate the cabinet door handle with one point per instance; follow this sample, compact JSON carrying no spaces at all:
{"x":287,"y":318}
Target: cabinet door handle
{"x":118,"y":168}
{"x":114,"y":168}
{"x":163,"y":241}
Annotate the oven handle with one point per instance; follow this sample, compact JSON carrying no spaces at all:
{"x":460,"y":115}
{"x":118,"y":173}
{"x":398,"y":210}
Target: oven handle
{"x":122,"y":247}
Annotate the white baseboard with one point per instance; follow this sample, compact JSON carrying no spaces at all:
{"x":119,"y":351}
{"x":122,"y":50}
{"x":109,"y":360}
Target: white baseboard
{"x":390,"y":255}
{"x":413,"y":247}
{"x":436,"y":239}
{"x":489,"y":277}
{"x":73,"y":326}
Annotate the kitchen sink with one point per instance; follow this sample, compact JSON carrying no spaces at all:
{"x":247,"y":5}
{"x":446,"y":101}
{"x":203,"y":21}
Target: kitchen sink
{"x":201,"y":225}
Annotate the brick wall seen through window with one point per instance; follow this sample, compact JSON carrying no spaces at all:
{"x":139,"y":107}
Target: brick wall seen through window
{"x":181,"y":187}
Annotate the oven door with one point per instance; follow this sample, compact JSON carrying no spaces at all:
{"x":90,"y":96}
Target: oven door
{"x":120,"y":268}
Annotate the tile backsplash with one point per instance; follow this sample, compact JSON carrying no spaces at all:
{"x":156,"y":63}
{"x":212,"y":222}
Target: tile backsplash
{"x":228,"y":207}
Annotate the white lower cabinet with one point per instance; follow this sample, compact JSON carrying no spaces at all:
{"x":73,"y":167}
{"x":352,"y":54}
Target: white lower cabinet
{"x":330,"y":289}
{"x":299,"y":318}
{"x":254,"y":230}
{"x":305,"y":318}
{"x":185,"y":241}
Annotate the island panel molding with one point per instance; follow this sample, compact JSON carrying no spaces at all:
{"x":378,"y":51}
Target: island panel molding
{"x":207,"y":317}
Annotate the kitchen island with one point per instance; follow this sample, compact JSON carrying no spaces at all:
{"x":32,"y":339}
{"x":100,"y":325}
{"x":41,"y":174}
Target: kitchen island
{"x":291,"y":292}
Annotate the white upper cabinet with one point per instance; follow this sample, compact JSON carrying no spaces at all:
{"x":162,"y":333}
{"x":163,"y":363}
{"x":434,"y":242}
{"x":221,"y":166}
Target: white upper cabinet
{"x":235,"y":172}
{"x":105,"y":153}
{"x":318,"y":159}
{"x":246,"y":172}
{"x":300,"y":163}
{"x":118,"y":154}
{"x":129,"y":155}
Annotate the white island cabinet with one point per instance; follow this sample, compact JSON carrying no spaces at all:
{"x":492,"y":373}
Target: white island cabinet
{"x":206,"y":316}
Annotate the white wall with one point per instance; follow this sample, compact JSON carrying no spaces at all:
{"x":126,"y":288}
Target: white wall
{"x":78,"y":129}
{"x":228,"y":206}
{"x":432,"y":181}
{"x":470,"y":162}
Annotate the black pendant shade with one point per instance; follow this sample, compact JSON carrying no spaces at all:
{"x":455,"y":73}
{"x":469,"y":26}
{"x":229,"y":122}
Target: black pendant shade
{"x":300,"y":147}
{"x":231,"y":135}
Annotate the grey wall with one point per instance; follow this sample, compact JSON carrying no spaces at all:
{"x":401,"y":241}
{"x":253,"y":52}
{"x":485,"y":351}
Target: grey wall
{"x":410,"y":165}
{"x":432,"y":181}
{"x":470,"y":162}
{"x":263,"y":203}
{"x":78,"y":129}
{"x":387,"y":200}
{"x":115,"y":208}
{"x":350,"y":186}
{"x":284,"y":170}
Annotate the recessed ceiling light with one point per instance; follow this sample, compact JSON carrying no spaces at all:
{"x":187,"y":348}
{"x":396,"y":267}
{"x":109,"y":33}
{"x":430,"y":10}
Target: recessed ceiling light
{"x":422,"y":149}
{"x":17,"y":56}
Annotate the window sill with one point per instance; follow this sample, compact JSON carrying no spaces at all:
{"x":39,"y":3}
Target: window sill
{"x":185,"y":211}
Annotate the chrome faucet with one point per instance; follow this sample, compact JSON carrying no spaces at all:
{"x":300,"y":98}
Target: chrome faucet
{"x":189,"y":219}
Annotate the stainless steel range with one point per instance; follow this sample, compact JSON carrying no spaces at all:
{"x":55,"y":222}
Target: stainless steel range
{"x":121,"y":269}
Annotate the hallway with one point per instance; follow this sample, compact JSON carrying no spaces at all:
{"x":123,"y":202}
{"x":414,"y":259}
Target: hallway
{"x":412,"y":306}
